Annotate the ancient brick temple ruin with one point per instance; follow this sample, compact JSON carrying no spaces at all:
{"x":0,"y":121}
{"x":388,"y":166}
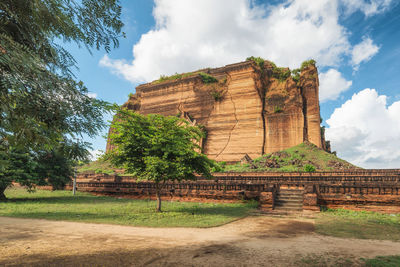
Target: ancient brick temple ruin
{"x":249,"y":109}
{"x":246,"y":108}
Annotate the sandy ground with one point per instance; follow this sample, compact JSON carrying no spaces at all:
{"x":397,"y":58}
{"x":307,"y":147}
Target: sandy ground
{"x":253,"y":241}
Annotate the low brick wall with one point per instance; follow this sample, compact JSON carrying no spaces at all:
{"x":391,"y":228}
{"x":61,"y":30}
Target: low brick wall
{"x":372,"y":189}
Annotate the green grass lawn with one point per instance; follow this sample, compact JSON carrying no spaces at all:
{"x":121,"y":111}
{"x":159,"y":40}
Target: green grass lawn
{"x":61,"y":205}
{"x":383,"y":261}
{"x":358,"y":224}
{"x":315,"y":260}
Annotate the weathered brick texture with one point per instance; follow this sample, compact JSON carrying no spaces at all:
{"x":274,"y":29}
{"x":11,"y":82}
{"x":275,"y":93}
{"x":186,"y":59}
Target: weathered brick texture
{"x":361,"y":189}
{"x":255,"y":114}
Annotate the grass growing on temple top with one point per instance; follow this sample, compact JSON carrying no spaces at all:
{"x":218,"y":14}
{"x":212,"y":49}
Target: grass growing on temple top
{"x":294,"y":159}
{"x":358,"y":224}
{"x":98,"y":166}
{"x":61,"y":205}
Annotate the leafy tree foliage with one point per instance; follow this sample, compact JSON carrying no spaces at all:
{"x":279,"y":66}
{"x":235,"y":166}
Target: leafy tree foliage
{"x":28,"y":168}
{"x":18,"y":166}
{"x":157,"y":148}
{"x":42,"y":105}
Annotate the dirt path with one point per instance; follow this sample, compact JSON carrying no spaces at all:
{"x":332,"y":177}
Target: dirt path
{"x":254,"y":241}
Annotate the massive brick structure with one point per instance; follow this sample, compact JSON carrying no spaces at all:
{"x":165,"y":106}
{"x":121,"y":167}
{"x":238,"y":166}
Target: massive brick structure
{"x":249,"y":109}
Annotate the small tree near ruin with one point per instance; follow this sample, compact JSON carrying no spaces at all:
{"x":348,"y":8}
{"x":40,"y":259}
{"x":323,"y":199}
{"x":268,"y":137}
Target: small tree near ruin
{"x":157,"y":148}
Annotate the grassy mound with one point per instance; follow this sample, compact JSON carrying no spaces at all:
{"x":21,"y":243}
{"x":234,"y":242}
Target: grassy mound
{"x":303,"y":157}
{"x":99,"y":166}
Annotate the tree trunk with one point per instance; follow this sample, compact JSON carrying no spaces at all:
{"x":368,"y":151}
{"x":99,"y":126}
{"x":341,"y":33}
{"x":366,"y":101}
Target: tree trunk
{"x":158,"y":195}
{"x":2,"y":195}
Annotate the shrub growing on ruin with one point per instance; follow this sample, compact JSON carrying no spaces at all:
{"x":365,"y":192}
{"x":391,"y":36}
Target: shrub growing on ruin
{"x":307,"y":63}
{"x":309,"y":168}
{"x":206,"y":78}
{"x":278,"y":109}
{"x":258,"y":60}
{"x":217,"y":95}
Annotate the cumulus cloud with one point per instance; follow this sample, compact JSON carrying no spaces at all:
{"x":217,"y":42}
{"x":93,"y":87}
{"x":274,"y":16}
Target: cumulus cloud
{"x":366,"y":130}
{"x":191,"y":34}
{"x":369,"y":8}
{"x":95,"y":154}
{"x":363,"y":52}
{"x":92,"y":95}
{"x":332,"y":83}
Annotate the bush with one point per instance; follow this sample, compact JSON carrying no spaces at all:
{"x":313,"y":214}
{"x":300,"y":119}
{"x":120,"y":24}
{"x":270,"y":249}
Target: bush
{"x":281,"y":74}
{"x":307,"y":63}
{"x":217,"y":95}
{"x":296,"y":75}
{"x":206,"y":78}
{"x":309,"y":168}
{"x":278,"y":109}
{"x":258,"y":60}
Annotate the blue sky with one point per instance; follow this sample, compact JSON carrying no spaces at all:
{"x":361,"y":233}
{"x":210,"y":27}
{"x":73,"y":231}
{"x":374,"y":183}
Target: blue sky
{"x":355,"y":43}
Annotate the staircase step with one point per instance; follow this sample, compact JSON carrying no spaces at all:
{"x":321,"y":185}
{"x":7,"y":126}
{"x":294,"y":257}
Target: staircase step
{"x":289,"y":194}
{"x":289,"y":208}
{"x":290,"y":198}
{"x":288,"y":201}
{"x":294,"y":196}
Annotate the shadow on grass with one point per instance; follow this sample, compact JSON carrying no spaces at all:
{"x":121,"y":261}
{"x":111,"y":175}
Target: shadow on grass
{"x":216,"y":210}
{"x":67,"y":199}
{"x":225,"y":211}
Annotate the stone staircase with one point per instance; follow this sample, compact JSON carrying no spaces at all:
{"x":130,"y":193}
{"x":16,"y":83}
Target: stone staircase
{"x":289,"y":200}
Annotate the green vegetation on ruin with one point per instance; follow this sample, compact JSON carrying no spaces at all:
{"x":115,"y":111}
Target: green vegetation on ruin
{"x":294,"y":159}
{"x":206,"y":78}
{"x":277,"y":109}
{"x":176,"y":76}
{"x":307,"y":63}
{"x":217,"y":95}
{"x":280,"y":73}
{"x":305,"y":157}
{"x":358,"y":224}
{"x":98,"y":166}
{"x":61,"y":205}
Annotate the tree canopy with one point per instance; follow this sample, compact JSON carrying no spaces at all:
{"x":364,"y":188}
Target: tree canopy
{"x":42,"y":104}
{"x":157,"y":148}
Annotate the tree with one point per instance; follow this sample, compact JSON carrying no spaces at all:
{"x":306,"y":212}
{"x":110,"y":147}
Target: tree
{"x":56,"y":167}
{"x":42,"y":105}
{"x":28,"y":168}
{"x":16,"y":166}
{"x":157,"y":148}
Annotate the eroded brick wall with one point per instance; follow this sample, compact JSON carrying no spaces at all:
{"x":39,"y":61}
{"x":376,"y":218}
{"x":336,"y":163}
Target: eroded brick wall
{"x":255,"y":114}
{"x":363,"y":189}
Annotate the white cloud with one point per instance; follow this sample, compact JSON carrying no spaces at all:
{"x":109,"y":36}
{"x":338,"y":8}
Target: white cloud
{"x":369,"y":8}
{"x":366,"y":131}
{"x":95,"y":154}
{"x":363,"y":52}
{"x":192,"y":34}
{"x":332,"y":83}
{"x":92,"y":95}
